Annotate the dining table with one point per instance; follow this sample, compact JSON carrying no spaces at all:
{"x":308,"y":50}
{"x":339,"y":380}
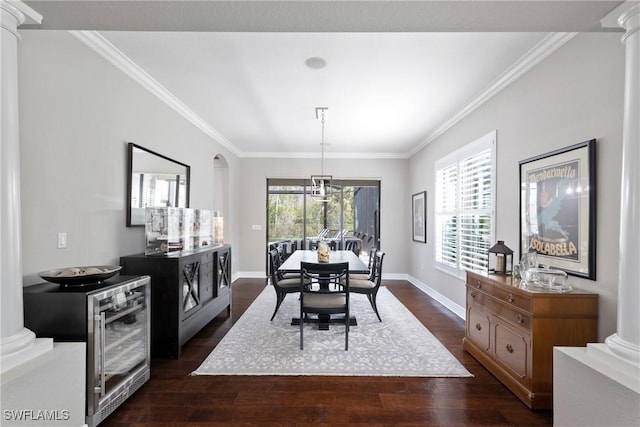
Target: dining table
{"x":293,"y":265}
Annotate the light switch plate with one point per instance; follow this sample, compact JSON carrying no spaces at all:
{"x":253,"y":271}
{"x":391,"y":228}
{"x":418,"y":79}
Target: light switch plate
{"x":62,"y":240}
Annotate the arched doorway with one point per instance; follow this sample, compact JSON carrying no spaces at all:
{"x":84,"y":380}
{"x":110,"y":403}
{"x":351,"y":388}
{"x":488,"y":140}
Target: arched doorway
{"x":221,"y":189}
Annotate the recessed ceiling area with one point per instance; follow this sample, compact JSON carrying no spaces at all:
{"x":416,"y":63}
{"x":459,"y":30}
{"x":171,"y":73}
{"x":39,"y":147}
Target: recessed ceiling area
{"x":386,"y":91}
{"x":390,"y":83}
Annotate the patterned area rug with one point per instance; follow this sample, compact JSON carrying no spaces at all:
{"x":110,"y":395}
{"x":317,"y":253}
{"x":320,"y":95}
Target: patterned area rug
{"x":398,"y":346}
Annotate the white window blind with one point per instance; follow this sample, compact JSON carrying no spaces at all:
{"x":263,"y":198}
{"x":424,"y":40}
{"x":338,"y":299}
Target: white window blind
{"x":464,"y":211}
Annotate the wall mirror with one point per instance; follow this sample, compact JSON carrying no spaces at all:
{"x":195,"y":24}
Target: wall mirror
{"x":154,"y":180}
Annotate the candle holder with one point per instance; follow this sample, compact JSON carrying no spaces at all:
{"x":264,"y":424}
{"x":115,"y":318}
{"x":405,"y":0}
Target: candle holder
{"x":500,"y":259}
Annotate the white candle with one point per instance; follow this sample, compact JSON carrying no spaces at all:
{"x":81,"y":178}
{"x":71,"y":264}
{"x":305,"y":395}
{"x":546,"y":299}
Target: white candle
{"x":499,"y":264}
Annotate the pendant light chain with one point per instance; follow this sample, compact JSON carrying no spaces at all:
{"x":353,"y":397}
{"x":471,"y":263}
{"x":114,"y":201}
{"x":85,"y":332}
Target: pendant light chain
{"x":321,"y":184}
{"x":322,"y":148}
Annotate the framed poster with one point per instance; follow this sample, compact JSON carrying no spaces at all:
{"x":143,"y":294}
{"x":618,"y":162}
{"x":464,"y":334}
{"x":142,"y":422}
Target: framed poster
{"x":558,"y":209}
{"x":419,"y":212}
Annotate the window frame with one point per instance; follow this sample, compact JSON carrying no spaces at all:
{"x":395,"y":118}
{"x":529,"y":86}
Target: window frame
{"x":488,"y":141}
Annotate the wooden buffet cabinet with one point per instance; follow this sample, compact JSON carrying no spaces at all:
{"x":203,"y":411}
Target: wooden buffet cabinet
{"x":512,"y":332}
{"x":187,"y":291}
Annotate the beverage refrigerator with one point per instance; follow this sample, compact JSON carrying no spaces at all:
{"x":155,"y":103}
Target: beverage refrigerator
{"x":113,"y":318}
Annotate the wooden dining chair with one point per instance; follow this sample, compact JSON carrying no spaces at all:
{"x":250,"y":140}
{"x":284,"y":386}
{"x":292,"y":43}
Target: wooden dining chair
{"x":283,"y":286}
{"x":367,"y":276}
{"x":370,"y":287}
{"x":324,"y":290}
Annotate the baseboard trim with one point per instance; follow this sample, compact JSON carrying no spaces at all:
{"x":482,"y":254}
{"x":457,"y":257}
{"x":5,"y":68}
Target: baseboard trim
{"x":449,"y":304}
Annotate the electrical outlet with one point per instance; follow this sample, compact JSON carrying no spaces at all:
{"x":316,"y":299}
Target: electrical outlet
{"x":62,"y":240}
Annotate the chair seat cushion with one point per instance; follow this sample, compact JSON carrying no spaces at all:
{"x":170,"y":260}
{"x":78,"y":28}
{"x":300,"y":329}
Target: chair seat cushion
{"x":289,"y":283}
{"x":361,"y":284}
{"x":328,"y":301}
{"x":291,"y":276}
{"x":358,"y":277}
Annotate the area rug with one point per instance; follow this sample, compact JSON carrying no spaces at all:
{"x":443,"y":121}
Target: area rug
{"x":398,"y":346}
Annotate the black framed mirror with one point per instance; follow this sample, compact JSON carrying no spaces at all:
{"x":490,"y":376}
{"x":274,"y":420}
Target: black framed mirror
{"x":154,"y":180}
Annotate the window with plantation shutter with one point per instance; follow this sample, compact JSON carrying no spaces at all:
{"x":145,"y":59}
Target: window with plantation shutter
{"x":464,"y":209}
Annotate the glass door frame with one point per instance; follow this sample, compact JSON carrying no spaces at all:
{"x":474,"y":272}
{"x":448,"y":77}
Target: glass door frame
{"x":338,"y":186}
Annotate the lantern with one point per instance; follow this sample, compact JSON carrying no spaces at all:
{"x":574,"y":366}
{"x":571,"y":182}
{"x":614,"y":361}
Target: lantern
{"x":500,"y":259}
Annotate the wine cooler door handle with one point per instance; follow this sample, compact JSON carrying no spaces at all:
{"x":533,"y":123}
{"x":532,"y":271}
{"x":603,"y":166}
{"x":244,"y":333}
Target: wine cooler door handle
{"x":102,"y":355}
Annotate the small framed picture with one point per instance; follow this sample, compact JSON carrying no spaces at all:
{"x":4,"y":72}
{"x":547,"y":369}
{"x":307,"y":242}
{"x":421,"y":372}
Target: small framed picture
{"x":419,"y":216}
{"x":558,"y":209}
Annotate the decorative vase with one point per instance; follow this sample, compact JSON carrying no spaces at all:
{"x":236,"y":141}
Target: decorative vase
{"x":323,"y":252}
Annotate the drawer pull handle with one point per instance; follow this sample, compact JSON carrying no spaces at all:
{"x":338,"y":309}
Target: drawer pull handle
{"x":510,"y":298}
{"x":478,"y":326}
{"x":473,"y":295}
{"x":520,"y":318}
{"x":478,"y":284}
{"x":509,"y":348}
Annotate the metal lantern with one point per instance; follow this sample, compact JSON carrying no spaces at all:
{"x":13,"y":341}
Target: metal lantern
{"x":500,"y":259}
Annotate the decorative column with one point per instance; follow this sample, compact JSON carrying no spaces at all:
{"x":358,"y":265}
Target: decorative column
{"x":625,"y":343}
{"x":600,"y":385}
{"x":17,"y":344}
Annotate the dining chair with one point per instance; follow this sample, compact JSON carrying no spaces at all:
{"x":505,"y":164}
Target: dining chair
{"x":353,"y":246}
{"x":369,"y":287}
{"x":283,"y":286}
{"x":368,"y":276}
{"x":278,"y":260}
{"x":324,"y":290}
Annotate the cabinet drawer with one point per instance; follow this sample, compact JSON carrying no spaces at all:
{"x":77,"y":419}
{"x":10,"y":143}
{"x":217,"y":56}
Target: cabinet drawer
{"x":208,"y":257}
{"x":518,"y":300}
{"x":207,"y":286}
{"x":503,"y":311}
{"x":475,"y":296}
{"x":479,"y":284}
{"x":478,"y":326}
{"x":206,"y":267}
{"x":512,"y":349}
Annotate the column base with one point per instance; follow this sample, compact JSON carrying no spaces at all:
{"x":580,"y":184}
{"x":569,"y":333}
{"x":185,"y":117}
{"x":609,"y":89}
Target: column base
{"x":623,"y":349}
{"x":21,"y":348}
{"x":594,"y":387}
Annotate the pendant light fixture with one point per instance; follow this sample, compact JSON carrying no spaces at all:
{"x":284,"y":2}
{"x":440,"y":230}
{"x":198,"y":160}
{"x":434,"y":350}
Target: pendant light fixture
{"x":321,"y":184}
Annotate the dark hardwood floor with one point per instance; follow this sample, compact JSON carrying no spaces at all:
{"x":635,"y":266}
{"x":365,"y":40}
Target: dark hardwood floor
{"x":173,"y":398}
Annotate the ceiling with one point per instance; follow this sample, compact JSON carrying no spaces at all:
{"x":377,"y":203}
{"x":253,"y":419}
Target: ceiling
{"x":398,"y":73}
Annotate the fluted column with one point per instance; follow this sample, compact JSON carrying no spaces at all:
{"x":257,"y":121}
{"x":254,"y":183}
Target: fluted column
{"x":625,"y":343}
{"x":17,"y":344}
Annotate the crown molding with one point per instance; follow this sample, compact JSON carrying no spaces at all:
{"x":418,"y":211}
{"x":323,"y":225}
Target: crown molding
{"x":615,"y":18}
{"x":309,"y":155}
{"x":544,"y":48}
{"x":23,"y":13}
{"x":116,"y":57}
{"x":108,"y":51}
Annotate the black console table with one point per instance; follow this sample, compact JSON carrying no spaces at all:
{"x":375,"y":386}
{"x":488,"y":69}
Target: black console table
{"x":187,"y":291}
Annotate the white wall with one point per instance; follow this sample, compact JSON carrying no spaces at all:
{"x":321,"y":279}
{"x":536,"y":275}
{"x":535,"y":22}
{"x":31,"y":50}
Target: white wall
{"x":574,"y":95}
{"x":395,"y":230}
{"x":77,"y":111}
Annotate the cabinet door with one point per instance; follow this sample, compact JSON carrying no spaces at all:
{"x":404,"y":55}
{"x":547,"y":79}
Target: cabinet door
{"x":478,"y":326}
{"x":512,"y":349}
{"x":224,"y":270}
{"x":190,"y":286}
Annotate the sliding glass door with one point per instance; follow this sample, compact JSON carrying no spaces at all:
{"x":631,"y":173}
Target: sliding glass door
{"x":349,"y":219}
